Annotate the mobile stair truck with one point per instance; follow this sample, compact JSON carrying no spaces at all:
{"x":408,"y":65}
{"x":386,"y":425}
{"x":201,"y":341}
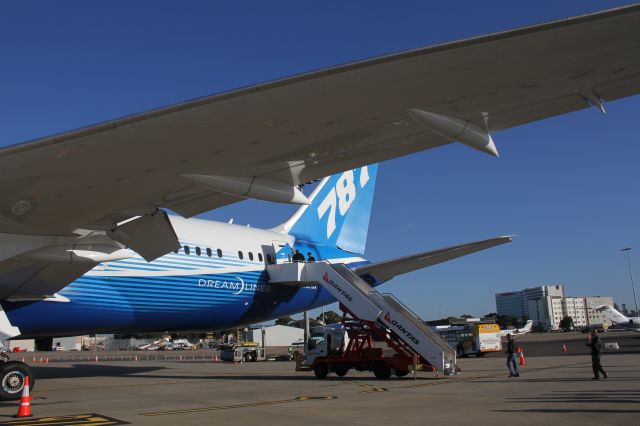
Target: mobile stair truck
{"x":367,"y":316}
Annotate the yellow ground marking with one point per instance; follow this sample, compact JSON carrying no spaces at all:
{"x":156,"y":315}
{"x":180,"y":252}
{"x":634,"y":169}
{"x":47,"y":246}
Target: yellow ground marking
{"x":245,"y":405}
{"x":80,"y":419}
{"x":369,"y":388}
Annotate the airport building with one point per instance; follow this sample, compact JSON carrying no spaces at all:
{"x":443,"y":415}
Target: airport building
{"x":275,"y":335}
{"x":547,"y":305}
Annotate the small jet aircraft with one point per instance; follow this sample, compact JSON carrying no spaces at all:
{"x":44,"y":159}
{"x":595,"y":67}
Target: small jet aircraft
{"x":617,"y":318}
{"x":518,"y":331}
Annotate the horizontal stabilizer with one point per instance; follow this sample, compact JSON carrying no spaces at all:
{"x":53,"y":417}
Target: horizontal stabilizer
{"x":390,"y":268}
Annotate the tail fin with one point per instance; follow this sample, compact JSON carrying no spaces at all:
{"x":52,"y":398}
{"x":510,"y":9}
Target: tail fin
{"x":339,"y":211}
{"x":612,"y":314}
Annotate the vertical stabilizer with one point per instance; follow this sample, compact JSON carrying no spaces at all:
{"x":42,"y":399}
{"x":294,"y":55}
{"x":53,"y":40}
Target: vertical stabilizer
{"x":339,"y":211}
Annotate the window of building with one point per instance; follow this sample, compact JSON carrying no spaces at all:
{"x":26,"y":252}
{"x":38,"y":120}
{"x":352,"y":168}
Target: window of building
{"x":187,"y":250}
{"x":219,"y":252}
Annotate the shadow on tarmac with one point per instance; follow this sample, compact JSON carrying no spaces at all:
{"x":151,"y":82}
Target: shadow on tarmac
{"x":604,"y":397}
{"x":84,"y":370}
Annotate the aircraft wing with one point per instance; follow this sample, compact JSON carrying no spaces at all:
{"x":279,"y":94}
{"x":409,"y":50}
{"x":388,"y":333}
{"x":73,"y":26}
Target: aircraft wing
{"x":388,"y":269}
{"x":209,"y":152}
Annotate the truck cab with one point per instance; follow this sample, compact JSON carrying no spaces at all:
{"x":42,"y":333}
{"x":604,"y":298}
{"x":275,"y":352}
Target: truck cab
{"x":325,"y":341}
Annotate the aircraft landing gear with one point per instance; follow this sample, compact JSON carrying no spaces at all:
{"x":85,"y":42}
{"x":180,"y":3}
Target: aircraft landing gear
{"x":12,"y":377}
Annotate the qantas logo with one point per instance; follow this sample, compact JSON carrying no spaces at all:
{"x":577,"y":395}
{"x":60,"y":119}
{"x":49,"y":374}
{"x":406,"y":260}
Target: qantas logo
{"x":344,"y":294}
{"x":406,"y":333}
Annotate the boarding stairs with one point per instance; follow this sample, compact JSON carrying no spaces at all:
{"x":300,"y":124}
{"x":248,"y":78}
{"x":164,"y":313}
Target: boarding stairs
{"x":367,"y":304}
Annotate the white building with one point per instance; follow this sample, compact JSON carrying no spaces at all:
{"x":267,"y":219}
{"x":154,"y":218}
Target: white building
{"x":546,"y":312}
{"x":546,"y":305}
{"x":275,"y":335}
{"x":595,"y":317}
{"x":576,"y":308}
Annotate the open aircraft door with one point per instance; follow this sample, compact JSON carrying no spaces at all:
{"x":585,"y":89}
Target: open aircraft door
{"x":282,"y":251}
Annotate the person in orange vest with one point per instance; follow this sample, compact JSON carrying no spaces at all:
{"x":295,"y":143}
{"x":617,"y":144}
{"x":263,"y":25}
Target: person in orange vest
{"x":512,"y":365}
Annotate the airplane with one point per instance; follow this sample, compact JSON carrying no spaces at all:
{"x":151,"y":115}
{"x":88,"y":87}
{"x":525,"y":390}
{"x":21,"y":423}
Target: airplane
{"x":518,"y":331}
{"x":617,"y":318}
{"x":87,"y":245}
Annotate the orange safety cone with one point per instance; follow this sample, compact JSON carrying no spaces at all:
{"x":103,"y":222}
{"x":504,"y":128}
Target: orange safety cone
{"x":96,"y":358}
{"x":40,"y":360}
{"x":25,"y":400}
{"x":522,"y":361}
{"x":46,"y":361}
{"x":564,"y":348}
{"x":23,"y":360}
{"x":34,"y":359}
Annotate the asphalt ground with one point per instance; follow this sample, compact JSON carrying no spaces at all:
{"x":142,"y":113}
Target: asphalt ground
{"x":554,"y":386}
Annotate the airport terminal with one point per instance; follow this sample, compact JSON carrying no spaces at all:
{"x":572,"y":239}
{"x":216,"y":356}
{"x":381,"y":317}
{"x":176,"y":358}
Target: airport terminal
{"x":129,"y":294}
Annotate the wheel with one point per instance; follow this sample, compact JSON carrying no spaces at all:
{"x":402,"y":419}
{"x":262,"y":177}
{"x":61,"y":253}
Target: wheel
{"x":480,"y":354}
{"x":401,"y":373}
{"x":340,"y":370}
{"x":12,"y":375}
{"x":461,"y":353}
{"x":321,"y":371}
{"x":247,"y":357}
{"x":381,"y":370}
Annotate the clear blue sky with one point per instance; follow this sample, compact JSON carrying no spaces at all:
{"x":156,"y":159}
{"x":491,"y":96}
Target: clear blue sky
{"x":567,"y":186}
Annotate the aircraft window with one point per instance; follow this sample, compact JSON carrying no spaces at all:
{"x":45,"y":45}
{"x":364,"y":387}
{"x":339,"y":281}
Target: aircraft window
{"x":240,"y":255}
{"x":250,"y":255}
{"x":269,"y":258}
{"x":260,"y":257}
{"x":208,"y":252}
{"x":186,"y":250}
{"x":198,"y":251}
{"x":176,"y":251}
{"x":219,"y":253}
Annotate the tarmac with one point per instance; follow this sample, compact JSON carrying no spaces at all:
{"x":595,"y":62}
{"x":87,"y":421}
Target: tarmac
{"x":555,"y":387}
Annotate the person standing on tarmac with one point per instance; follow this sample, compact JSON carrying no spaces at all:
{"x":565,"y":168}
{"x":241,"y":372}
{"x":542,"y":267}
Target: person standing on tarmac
{"x":596,"y":350}
{"x":511,"y":357}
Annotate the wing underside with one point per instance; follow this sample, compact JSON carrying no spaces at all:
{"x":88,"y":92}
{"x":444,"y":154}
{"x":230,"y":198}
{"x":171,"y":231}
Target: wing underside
{"x":388,"y":269}
{"x":302,"y":128}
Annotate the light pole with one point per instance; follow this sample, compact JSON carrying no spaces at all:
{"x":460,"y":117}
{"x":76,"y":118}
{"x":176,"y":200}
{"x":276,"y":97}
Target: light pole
{"x":633,"y":287}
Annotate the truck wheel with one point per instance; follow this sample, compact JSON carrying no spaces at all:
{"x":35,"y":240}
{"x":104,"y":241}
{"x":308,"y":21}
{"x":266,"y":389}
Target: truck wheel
{"x":461,"y":353}
{"x":381,"y":370}
{"x":401,"y":373}
{"x":341,"y":370}
{"x":321,"y":371}
{"x":12,"y":375}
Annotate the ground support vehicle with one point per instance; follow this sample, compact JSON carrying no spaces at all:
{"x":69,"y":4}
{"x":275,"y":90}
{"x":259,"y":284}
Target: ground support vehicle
{"x":242,"y":353}
{"x":360,"y":345}
{"x":472,"y":339}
